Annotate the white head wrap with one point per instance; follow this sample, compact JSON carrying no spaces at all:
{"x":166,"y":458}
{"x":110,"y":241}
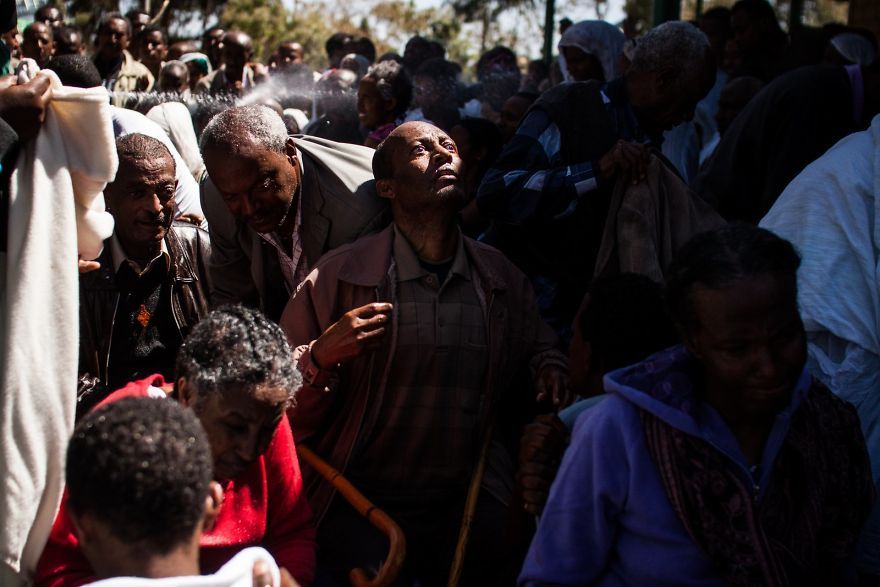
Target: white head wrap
{"x":855,"y":48}
{"x":598,"y":38}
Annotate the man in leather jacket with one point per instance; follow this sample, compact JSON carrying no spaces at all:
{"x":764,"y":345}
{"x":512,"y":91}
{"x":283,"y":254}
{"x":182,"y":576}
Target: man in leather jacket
{"x":153,"y":283}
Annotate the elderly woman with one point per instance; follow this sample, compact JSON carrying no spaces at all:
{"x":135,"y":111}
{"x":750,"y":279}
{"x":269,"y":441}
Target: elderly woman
{"x":720,"y":462}
{"x":590,"y":49}
{"x":234,"y":371}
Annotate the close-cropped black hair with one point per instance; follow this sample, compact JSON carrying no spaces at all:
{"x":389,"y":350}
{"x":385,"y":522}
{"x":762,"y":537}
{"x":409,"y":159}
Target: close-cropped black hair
{"x":237,"y":349}
{"x":76,"y":71}
{"x":143,"y":466}
{"x":721,"y":257}
{"x":393,"y":82}
{"x":624,"y":319}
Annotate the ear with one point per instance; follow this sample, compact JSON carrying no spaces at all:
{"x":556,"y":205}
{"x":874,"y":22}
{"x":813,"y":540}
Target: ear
{"x":385,"y":188}
{"x":213,"y":502}
{"x":83,"y":528}
{"x":290,"y":151}
{"x":183,"y":392}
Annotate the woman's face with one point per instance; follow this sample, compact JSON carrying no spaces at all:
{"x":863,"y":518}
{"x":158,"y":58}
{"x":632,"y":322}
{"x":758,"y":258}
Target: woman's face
{"x":239,"y":427}
{"x":582,"y":66}
{"x":373,"y":110}
{"x":750,"y":339}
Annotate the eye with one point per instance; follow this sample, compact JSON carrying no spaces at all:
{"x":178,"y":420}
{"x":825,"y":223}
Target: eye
{"x":418,"y":149}
{"x":450,"y":146}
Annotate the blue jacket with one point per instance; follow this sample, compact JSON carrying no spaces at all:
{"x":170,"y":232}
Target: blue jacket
{"x":608,"y":521}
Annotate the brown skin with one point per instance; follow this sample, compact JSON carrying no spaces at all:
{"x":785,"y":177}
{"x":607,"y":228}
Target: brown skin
{"x":38,"y":43}
{"x":237,"y":51}
{"x":23,"y":106}
{"x":153,"y":51}
{"x":659,"y":104}
{"x":141,"y":200}
{"x":111,"y":557}
{"x":113,"y":39}
{"x":239,"y":423}
{"x":750,"y":340}
{"x":512,"y":113}
{"x":425,"y":195}
{"x":69,"y":43}
{"x":174,"y":78}
{"x":49,"y":15}
{"x":258,"y":185}
{"x":178,"y":49}
{"x":582,"y":66}
{"x":212,"y":45}
{"x":373,"y":110}
{"x":289,"y":53}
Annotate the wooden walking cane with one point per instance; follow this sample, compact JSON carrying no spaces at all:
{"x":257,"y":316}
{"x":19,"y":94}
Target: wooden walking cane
{"x":390,"y":569}
{"x":470,"y":508}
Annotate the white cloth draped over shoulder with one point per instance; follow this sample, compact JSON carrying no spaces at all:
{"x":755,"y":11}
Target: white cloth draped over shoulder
{"x":830,"y":213}
{"x":56,"y":210}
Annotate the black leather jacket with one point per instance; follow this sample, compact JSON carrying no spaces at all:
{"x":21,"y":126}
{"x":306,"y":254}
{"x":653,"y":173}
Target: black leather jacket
{"x":189,"y":248}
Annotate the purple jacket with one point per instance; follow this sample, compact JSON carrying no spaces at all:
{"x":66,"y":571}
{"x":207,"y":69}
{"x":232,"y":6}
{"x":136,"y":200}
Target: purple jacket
{"x":608,"y":521}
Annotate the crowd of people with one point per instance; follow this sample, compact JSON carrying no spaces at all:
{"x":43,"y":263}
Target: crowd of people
{"x":611,"y":320}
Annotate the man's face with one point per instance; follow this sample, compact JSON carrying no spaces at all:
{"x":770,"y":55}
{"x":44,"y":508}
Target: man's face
{"x":69,"y":43}
{"x":289,"y":53}
{"x":675,"y":104}
{"x":50,"y":16}
{"x":257,"y":184}
{"x":212,"y":43}
{"x":113,"y":38}
{"x":236,"y":52}
{"x":427,"y":169}
{"x":38,"y":43}
{"x":153,"y":48}
{"x":141,"y":199}
{"x":139,"y":22}
{"x":239,"y":427}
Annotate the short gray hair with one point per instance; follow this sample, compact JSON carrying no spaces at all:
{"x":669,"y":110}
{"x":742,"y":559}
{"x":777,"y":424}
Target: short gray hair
{"x":239,"y":126}
{"x":676,"y":43}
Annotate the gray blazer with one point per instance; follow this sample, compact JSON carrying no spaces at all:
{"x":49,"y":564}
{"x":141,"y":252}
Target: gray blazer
{"x":339,"y":204}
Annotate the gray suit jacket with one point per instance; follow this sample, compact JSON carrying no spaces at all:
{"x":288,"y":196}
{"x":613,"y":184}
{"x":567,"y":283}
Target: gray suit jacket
{"x":339,"y":204}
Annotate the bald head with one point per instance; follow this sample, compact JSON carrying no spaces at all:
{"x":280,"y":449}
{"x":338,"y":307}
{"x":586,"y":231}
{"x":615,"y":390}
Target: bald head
{"x":38,"y":43}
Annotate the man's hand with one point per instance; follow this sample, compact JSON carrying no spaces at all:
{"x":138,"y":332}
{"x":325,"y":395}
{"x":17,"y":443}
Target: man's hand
{"x":263,"y":577}
{"x":87,"y":266}
{"x":552,"y":382}
{"x":630,"y":160}
{"x":23,"y":106}
{"x":541,"y":447}
{"x":357,"y":331}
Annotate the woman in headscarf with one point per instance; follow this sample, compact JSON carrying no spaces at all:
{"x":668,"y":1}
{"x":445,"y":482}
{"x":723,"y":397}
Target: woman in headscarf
{"x":589,"y":50}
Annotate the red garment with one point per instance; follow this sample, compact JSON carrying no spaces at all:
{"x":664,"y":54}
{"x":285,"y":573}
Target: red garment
{"x":265,"y":506}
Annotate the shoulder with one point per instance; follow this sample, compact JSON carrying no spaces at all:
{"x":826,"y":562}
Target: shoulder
{"x":366,"y":249}
{"x":189,"y":232}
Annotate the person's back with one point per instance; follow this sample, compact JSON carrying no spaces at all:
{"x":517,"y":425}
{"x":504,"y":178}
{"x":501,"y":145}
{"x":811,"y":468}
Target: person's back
{"x":788,"y":124}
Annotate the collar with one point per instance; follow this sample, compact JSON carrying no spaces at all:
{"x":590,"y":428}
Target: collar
{"x":119,"y":257}
{"x":407,"y":261}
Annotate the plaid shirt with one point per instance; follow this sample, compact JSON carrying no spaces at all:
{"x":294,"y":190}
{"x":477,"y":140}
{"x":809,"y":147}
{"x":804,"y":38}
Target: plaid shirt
{"x":529,"y":179}
{"x":294,"y":266}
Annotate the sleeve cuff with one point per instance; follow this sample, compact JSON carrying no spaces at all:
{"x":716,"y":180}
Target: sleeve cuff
{"x":324,"y":380}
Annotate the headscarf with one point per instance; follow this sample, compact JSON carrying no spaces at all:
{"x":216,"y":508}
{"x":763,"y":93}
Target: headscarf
{"x":200,"y":58}
{"x":594,"y":37}
{"x":855,"y":48}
